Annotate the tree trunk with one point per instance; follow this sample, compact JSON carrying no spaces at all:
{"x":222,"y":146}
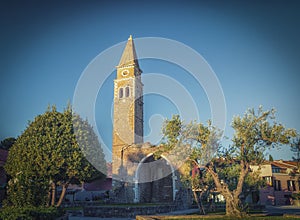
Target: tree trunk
{"x":63,"y":193}
{"x":232,"y":198}
{"x":232,"y":208}
{"x":199,"y":203}
{"x":53,"y":193}
{"x":49,"y":197}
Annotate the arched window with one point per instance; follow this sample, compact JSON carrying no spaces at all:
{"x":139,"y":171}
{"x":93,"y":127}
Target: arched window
{"x":121,"y":93}
{"x":127,"y":91}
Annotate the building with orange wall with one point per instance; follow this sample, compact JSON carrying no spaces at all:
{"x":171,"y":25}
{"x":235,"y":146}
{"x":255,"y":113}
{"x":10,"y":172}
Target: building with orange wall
{"x":282,"y":180}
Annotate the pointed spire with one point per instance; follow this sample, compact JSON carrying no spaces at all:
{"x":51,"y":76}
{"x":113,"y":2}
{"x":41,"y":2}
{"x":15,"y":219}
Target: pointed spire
{"x":129,"y":55}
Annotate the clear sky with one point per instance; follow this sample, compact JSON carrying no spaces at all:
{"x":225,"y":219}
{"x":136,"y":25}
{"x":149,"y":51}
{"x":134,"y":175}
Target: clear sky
{"x":252,"y":46}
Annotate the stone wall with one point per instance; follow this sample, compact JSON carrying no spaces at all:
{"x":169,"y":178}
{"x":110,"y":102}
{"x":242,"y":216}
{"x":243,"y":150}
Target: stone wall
{"x":146,"y":180}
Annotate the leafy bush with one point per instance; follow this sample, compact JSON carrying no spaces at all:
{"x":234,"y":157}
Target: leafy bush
{"x":29,"y":213}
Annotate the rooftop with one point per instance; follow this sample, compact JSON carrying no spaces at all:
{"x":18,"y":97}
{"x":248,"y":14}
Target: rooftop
{"x":129,"y":56}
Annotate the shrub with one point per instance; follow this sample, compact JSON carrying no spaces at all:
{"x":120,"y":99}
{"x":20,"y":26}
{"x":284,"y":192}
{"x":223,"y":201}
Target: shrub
{"x":29,"y":213}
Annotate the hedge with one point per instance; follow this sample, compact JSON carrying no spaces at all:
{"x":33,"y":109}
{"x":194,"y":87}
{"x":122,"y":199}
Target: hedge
{"x":29,"y":213}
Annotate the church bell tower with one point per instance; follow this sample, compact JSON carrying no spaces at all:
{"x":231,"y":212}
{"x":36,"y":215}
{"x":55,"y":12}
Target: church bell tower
{"x":128,"y":105}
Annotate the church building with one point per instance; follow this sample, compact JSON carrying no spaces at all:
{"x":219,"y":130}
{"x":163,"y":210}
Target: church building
{"x":137,"y":176}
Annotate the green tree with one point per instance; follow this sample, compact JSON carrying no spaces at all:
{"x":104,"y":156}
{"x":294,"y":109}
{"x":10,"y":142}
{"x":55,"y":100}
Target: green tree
{"x":49,"y":154}
{"x":229,"y":167}
{"x":271,"y":158}
{"x":191,"y":140}
{"x":7,"y":143}
{"x":295,"y":147}
{"x":26,"y":191}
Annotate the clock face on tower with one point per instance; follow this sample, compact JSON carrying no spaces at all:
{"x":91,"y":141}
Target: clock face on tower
{"x":125,"y":72}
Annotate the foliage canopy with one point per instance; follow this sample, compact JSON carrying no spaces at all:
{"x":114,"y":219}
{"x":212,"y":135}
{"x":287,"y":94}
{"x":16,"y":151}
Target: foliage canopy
{"x":48,"y":154}
{"x":227,"y":169}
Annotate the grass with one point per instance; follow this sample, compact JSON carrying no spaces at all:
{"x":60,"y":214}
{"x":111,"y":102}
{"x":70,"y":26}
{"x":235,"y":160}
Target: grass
{"x":73,"y":208}
{"x":223,"y":217}
{"x":132,"y":205}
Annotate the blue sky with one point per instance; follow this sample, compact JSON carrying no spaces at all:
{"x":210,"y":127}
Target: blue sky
{"x":252,"y":46}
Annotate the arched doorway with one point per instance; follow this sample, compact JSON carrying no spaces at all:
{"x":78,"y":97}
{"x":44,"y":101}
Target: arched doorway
{"x":155,"y":181}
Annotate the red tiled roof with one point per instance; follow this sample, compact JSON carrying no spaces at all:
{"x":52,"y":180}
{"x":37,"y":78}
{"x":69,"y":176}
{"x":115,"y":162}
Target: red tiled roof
{"x":294,"y":163}
{"x":99,"y":185}
{"x":3,"y":155}
{"x":284,"y":164}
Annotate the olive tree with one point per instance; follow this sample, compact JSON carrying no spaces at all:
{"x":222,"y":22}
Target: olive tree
{"x":228,"y":167}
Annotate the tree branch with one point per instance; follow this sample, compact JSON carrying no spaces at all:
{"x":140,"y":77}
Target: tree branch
{"x":222,"y":188}
{"x":244,"y":171}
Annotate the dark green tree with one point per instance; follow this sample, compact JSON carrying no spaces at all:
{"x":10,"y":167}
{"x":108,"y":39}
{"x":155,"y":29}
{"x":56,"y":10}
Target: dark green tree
{"x":49,"y":154}
{"x":295,"y":147}
{"x":7,"y":143}
{"x":271,"y":158}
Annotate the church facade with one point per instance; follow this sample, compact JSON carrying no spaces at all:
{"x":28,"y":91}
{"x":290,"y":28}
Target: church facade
{"x":138,"y":177}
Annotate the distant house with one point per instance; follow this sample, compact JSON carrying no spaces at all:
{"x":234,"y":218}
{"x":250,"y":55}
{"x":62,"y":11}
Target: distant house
{"x":3,"y":177}
{"x":101,"y":184}
{"x":95,"y":190}
{"x":282,"y":179}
